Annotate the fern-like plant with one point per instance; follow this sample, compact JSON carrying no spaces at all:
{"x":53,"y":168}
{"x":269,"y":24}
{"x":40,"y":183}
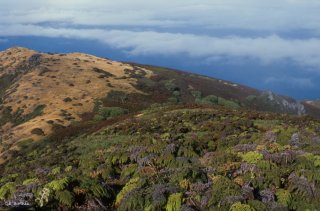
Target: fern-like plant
{"x":43,"y":197}
{"x":68,"y":169}
{"x":98,"y":190}
{"x":58,"y":185}
{"x":65,"y":197}
{"x":252,"y":157}
{"x":7,"y":190}
{"x":131,"y":185}
{"x":56,"y":171}
{"x":30,"y":181}
{"x":241,"y":207}
{"x":174,"y":202}
{"x":316,"y":161}
{"x":93,"y":188}
{"x":283,"y":197}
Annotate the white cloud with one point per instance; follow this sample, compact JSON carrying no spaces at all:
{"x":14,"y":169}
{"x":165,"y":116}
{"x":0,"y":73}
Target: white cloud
{"x":19,"y":18}
{"x":266,"y":49}
{"x":271,"y":15}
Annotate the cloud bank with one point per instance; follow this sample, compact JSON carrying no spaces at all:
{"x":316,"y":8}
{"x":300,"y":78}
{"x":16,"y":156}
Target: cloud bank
{"x":266,"y":49}
{"x":149,"y":25}
{"x":250,"y":14}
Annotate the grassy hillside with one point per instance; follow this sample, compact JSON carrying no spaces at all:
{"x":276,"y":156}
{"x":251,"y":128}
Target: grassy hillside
{"x":172,"y":158}
{"x":42,"y":91}
{"x":78,"y":132}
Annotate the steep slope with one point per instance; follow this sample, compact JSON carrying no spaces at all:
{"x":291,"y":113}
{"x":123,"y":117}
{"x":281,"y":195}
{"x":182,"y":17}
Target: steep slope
{"x":42,"y":92}
{"x":201,"y":87}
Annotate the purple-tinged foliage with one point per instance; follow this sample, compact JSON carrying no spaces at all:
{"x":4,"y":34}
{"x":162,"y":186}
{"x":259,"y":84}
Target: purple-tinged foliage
{"x":185,"y":207}
{"x":267,"y":195}
{"x":135,"y":152}
{"x":245,"y":147}
{"x":295,"y":139}
{"x":270,"y":136}
{"x":147,"y":160}
{"x":247,"y":191}
{"x":160,"y":193}
{"x":170,"y":148}
{"x":200,"y":187}
{"x":229,"y":200}
{"x":301,"y":185}
{"x":245,"y":168}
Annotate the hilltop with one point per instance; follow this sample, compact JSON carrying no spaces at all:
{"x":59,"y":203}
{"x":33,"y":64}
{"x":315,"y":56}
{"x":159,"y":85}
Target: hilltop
{"x":42,"y":91}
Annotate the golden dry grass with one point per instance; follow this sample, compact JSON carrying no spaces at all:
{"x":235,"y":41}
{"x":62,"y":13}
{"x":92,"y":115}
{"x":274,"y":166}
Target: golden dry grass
{"x":59,"y":76}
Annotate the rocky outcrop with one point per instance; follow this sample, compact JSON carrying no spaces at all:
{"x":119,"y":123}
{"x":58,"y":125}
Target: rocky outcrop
{"x":281,"y":104}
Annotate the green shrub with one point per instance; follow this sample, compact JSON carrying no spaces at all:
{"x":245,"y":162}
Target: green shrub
{"x":56,"y":171}
{"x":257,"y":205}
{"x":67,"y":100}
{"x":171,"y":86}
{"x":221,"y":188}
{"x":7,"y":190}
{"x":68,"y":169}
{"x":43,"y":197}
{"x":30,"y":181}
{"x":251,"y":98}
{"x":65,"y":197}
{"x":58,"y":185}
{"x":227,"y":103}
{"x":241,"y":207}
{"x":131,"y":185}
{"x":252,"y":157}
{"x":196,"y":94}
{"x":214,"y":100}
{"x":210,"y":99}
{"x":174,"y":202}
{"x":176,"y":93}
{"x":105,"y":113}
{"x":17,"y":117}
{"x":283,"y":197}
{"x":37,"y":131}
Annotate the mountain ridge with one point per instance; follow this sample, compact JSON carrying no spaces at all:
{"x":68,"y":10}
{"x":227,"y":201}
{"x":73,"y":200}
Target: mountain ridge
{"x":41,"y":92}
{"x":79,"y":132}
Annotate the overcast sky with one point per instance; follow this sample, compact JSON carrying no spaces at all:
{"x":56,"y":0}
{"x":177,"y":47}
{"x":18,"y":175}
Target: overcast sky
{"x":267,"y":37}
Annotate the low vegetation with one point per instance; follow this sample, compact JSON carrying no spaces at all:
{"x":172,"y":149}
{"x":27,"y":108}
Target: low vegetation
{"x":173,"y":158}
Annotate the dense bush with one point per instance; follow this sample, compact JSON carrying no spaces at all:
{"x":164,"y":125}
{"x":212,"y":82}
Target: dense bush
{"x":105,"y":113}
{"x":37,"y":131}
{"x":214,"y":100}
{"x":18,"y":117}
{"x":173,"y":158}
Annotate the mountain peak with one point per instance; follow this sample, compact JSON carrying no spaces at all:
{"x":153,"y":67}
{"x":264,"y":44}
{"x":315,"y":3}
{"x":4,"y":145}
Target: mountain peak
{"x":17,"y":49}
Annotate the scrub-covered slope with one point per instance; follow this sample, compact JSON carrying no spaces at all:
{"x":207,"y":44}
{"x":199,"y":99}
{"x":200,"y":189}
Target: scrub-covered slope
{"x":82,"y":132}
{"x":40,"y":92}
{"x":174,"y":158}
